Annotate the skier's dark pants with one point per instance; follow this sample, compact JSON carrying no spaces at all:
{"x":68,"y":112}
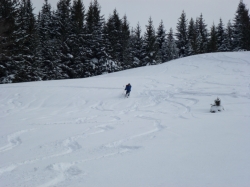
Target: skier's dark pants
{"x":127,"y":93}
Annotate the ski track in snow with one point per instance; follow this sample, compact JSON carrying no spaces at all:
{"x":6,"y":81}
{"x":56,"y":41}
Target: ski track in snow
{"x":67,"y":170}
{"x":14,"y":140}
{"x":70,"y":145}
{"x":104,"y":117}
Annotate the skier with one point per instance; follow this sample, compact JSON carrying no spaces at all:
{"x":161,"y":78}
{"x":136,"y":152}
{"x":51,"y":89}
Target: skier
{"x":128,"y":89}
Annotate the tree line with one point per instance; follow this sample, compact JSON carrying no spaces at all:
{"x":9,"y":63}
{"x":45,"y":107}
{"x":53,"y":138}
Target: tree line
{"x":75,"y":42}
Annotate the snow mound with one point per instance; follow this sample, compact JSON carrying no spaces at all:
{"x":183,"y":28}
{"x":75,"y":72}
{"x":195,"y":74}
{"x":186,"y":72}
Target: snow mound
{"x":215,"y":108}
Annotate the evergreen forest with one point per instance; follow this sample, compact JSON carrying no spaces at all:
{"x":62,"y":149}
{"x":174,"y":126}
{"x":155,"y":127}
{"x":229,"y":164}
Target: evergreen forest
{"x":75,"y":41}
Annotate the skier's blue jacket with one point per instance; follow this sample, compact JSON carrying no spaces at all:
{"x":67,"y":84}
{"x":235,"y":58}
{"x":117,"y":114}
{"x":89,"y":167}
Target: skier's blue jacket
{"x":128,"y":88}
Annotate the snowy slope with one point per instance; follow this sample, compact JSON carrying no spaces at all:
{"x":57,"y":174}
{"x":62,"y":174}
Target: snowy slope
{"x":85,"y":133}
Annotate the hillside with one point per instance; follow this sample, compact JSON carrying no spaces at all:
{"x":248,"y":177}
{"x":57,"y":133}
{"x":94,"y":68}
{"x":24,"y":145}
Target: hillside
{"x":83,"y":132}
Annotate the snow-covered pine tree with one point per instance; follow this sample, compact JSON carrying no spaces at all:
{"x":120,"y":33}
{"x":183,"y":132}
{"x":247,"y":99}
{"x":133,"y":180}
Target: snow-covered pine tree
{"x":114,"y":37}
{"x":227,"y":42}
{"x":62,"y":15}
{"x":78,"y":66}
{"x":104,"y":63}
{"x":198,"y":37}
{"x":149,"y":45}
{"x":48,"y":52}
{"x":88,"y":40}
{"x":192,"y":37}
{"x":25,"y":44}
{"x":160,"y":40}
{"x":63,"y":28}
{"x":182,"y":35}
{"x":136,"y":46}
{"x":8,"y":15}
{"x":220,"y":34}
{"x":213,"y":40}
{"x":202,"y":35}
{"x":132,"y":40}
{"x":78,"y":16}
{"x":241,"y":28}
{"x":126,"y":50}
{"x":97,"y":56}
{"x":172,"y":51}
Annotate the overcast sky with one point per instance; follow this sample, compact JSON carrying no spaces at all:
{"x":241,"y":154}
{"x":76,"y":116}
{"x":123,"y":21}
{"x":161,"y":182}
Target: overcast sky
{"x":167,"y":10}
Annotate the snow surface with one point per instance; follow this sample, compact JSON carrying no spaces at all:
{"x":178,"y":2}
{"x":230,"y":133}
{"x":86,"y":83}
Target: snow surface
{"x":83,"y":132}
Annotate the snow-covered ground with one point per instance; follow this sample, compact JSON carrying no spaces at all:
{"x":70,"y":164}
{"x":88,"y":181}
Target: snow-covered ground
{"x":85,"y":133}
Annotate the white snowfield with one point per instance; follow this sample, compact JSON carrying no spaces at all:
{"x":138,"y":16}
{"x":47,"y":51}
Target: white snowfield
{"x":84,"y":133}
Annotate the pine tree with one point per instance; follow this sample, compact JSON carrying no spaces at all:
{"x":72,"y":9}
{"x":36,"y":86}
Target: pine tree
{"x":78,"y":65}
{"x":63,"y":19}
{"x":25,"y":43}
{"x":125,"y":38}
{"x":48,"y":59}
{"x":77,"y":17}
{"x":96,"y":49}
{"x":192,"y":37}
{"x":114,"y":36}
{"x":63,"y":29}
{"x":227,"y":42}
{"x":100,"y":51}
{"x":149,"y":45}
{"x":241,"y":28}
{"x":160,"y":40}
{"x":182,"y":35}
{"x":220,"y":35}
{"x":172,"y":51}
{"x":136,"y":46}
{"x":202,"y":35}
{"x":212,"y":44}
{"x":8,"y":15}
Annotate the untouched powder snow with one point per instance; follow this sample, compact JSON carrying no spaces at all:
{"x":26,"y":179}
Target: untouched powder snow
{"x":83,"y":132}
